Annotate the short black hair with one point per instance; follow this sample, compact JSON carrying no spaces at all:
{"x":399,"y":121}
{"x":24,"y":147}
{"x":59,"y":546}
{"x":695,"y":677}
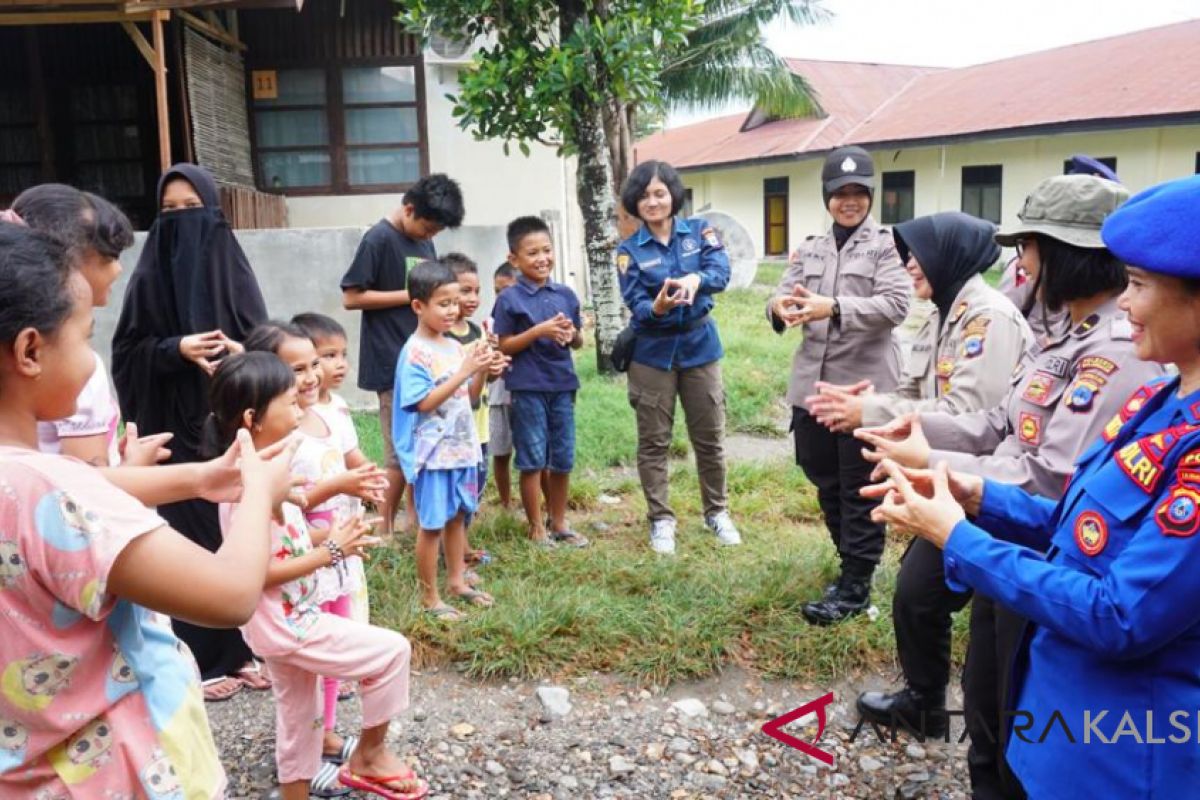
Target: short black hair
{"x":459,"y":263}
{"x":79,"y":220}
{"x":1070,"y":272}
{"x":521,"y":227}
{"x":436,"y":198}
{"x":505,"y":270}
{"x":639,"y":179}
{"x":427,"y":277}
{"x":244,"y":382}
{"x":318,"y":326}
{"x":268,"y":336}
{"x":34,"y":282}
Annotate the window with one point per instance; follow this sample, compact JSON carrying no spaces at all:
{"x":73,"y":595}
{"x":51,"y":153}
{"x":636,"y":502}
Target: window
{"x":688,"y":207}
{"x":981,"y":191}
{"x":1108,"y":161}
{"x":341,"y":129}
{"x":897,"y":197}
{"x":775,"y":216}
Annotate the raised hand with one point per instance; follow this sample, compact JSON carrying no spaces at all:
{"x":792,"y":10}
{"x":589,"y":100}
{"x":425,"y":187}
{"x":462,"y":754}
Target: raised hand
{"x":145,"y":451}
{"x":901,"y":440}
{"x":367,"y":482}
{"x":352,"y":535}
{"x":672,"y":295}
{"x":268,"y":471}
{"x":930,"y":511}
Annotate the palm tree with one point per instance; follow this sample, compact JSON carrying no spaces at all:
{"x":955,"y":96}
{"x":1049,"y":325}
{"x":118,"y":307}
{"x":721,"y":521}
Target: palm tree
{"x":726,"y":59}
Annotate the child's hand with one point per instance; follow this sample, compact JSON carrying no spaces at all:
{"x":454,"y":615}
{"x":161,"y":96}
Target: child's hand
{"x":353,"y":536}
{"x":478,"y":359}
{"x":268,"y":472}
{"x":500,"y":362}
{"x":554,"y":327}
{"x":145,"y":451}
{"x":367,"y":482}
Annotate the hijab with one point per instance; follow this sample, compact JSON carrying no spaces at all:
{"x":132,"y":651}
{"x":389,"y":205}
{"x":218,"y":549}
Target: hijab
{"x":951,"y":247}
{"x":192,"y":277}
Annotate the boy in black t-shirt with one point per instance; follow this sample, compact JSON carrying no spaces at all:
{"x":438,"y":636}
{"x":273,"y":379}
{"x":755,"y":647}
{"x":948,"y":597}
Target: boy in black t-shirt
{"x":377,"y":285}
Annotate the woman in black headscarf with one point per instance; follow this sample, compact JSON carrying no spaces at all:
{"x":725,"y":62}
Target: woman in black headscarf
{"x":190,"y":301}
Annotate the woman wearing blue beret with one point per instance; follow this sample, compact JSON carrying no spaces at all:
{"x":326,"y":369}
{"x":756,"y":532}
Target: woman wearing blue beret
{"x":1106,"y":682}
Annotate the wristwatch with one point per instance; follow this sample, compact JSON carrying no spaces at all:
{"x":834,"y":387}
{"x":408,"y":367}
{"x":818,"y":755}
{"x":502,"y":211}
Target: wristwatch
{"x":835,"y":313}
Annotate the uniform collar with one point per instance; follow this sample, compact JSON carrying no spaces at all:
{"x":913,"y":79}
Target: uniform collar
{"x":1093,"y":321}
{"x":532,"y":288}
{"x":680,"y":228}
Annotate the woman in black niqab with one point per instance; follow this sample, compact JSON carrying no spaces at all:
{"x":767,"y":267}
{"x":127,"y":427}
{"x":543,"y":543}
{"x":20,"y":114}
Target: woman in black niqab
{"x":191,"y":299}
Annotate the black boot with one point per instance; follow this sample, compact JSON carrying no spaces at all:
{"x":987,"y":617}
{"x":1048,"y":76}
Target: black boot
{"x":851,"y":595}
{"x":923,"y":713}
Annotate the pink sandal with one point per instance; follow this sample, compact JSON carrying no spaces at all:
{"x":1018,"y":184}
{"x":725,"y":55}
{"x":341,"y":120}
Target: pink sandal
{"x":384,"y":786}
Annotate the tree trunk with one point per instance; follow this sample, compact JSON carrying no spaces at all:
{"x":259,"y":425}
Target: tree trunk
{"x":593,"y":188}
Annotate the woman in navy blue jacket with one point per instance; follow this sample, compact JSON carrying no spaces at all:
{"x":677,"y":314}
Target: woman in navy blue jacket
{"x":1107,"y":679}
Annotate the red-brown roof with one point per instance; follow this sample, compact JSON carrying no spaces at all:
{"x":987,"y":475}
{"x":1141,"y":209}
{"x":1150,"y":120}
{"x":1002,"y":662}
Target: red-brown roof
{"x":1121,"y":81}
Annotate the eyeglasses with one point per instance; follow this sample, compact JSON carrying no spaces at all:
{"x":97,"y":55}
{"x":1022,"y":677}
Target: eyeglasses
{"x":1021,"y":245}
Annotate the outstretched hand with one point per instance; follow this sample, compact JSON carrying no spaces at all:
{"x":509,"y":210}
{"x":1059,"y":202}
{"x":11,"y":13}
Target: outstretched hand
{"x":927,"y":508}
{"x":901,"y":440}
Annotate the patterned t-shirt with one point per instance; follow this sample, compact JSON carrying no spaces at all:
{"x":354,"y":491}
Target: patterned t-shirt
{"x":97,"y":696}
{"x":444,"y":438}
{"x":285,"y":613}
{"x":319,"y":459}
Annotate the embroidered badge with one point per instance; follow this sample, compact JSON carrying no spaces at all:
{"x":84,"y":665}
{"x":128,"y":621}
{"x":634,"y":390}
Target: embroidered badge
{"x":709,"y":235}
{"x":1029,"y":428}
{"x":848,"y":165}
{"x":1098,"y":364}
{"x":945,"y":367}
{"x":972,"y":346}
{"x":973,"y":335}
{"x":1091,"y":533}
{"x":1132,"y":406}
{"x":1082,"y":394}
{"x":1037,"y":391}
{"x":1086,"y":325}
{"x":689,"y":245}
{"x":1141,"y":469}
{"x":622,"y":262}
{"x":1179,"y":514}
{"x":1055,"y":365}
{"x":958,"y":311}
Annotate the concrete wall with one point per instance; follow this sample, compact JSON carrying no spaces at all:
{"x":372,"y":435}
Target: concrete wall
{"x":301,"y":269}
{"x":1144,"y":157}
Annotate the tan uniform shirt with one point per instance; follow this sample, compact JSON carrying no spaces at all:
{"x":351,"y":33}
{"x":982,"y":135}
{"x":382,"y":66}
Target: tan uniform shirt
{"x":966,"y":367}
{"x":1058,"y":404}
{"x":872,"y":290}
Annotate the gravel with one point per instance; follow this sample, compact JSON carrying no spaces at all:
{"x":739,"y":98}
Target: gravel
{"x":471,"y":739}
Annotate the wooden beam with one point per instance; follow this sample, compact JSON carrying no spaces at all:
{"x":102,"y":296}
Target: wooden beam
{"x":220,"y":34}
{"x":140,"y":42}
{"x":72,"y":18}
{"x":160,"y":90}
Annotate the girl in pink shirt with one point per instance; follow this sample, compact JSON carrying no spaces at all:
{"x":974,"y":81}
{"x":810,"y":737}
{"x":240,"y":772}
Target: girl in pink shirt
{"x":300,"y":642}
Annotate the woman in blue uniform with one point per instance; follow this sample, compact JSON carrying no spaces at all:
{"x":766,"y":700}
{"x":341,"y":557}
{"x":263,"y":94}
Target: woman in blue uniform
{"x":1107,"y":678}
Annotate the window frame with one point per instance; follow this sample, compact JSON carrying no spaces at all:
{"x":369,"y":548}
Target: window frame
{"x":335,"y":110}
{"x":999,"y":184}
{"x":911,"y":187}
{"x":778,"y":186}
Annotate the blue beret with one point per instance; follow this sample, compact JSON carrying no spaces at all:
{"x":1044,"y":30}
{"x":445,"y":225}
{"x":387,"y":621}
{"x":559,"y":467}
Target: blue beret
{"x":1086,"y":165}
{"x":1157,"y":229}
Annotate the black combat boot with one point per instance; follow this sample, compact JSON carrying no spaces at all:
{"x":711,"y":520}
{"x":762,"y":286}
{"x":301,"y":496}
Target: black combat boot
{"x":851,"y":595}
{"x":923,"y":713}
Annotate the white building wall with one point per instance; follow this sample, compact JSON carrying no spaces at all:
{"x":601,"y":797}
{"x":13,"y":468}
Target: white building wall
{"x":1144,"y":157}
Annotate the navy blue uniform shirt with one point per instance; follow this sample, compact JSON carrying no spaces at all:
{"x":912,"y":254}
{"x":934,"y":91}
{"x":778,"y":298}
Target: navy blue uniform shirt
{"x":644,"y":264}
{"x":544,"y":366}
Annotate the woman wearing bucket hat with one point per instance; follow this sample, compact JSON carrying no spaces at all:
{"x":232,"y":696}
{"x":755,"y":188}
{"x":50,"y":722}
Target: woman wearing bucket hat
{"x":1104,"y":677}
{"x":1057,"y":404}
{"x":848,"y":291}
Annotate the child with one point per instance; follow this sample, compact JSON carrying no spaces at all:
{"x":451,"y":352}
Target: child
{"x":466,"y":333}
{"x":499,"y":401}
{"x":100,"y":699}
{"x":258,"y":392}
{"x":332,"y":492}
{"x":537,"y":320}
{"x":329,"y":337}
{"x":376,"y":284}
{"x":436,"y":441}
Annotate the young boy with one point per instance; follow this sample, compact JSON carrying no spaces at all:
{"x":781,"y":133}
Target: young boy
{"x":537,"y":320}
{"x":435,"y":439}
{"x":376,"y":284}
{"x":499,"y":402}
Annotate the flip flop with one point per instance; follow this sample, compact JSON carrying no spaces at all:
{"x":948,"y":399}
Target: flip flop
{"x":326,"y":784}
{"x":378,"y":784}
{"x":569,"y":537}
{"x":343,"y":755}
{"x":212,"y":698}
{"x":253,"y":676}
{"x":445,"y":613}
{"x":346,"y":691}
{"x":477,"y":598}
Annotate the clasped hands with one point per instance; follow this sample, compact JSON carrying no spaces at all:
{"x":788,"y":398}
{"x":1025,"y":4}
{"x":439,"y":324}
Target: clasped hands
{"x":801,"y":307}
{"x":558,"y":328}
{"x":676,"y":292}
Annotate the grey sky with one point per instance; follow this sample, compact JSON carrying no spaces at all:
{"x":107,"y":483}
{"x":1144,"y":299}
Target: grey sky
{"x":952,"y":33}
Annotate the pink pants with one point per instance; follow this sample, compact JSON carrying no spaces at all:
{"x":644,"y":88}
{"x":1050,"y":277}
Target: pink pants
{"x":341,"y":649}
{"x":339,"y":608}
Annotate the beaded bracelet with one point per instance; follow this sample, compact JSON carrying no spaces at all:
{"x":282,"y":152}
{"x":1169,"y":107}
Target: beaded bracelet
{"x":336,"y":555}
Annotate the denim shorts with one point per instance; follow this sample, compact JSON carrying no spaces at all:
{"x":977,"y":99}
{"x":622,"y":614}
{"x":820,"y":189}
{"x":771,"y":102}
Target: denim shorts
{"x":543,"y":430}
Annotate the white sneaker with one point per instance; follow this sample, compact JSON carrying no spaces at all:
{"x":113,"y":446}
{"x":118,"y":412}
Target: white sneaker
{"x":722,"y":525}
{"x":662,"y":536}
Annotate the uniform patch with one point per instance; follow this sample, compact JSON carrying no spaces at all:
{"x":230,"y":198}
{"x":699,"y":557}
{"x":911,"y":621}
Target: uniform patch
{"x":1140,"y":467}
{"x":1081,"y":395}
{"x":972,"y":346}
{"x":1132,"y":406}
{"x":709,"y":235}
{"x":689,"y":245}
{"x":973,"y":336}
{"x":622,"y":262}
{"x":1098,"y":364}
{"x":1055,"y":365}
{"x":1087,"y":325}
{"x":958,"y":311}
{"x":945,"y":367}
{"x":1037,"y":391}
{"x":1091,"y":533}
{"x":1179,"y":514}
{"x":1029,"y":428}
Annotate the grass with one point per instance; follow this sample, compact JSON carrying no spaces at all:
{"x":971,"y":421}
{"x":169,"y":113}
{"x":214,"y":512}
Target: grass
{"x":615,"y":606}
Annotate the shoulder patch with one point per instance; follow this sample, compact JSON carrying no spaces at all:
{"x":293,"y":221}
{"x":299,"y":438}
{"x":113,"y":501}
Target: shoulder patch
{"x":1029,"y":428}
{"x":1091,"y":533}
{"x":1037,"y":391}
{"x":1179,"y":514}
{"x":958,"y":311}
{"x":709,"y":235}
{"x":622,"y":262}
{"x":1055,"y":365}
{"x":1132,"y":406}
{"x":1087,"y":325}
{"x":973,"y":335}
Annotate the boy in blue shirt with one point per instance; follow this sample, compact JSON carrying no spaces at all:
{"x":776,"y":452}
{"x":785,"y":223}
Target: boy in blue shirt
{"x":538,"y":323}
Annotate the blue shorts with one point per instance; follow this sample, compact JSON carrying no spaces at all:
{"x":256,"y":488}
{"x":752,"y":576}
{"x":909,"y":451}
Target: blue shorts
{"x":441,"y":494}
{"x":543,"y":430}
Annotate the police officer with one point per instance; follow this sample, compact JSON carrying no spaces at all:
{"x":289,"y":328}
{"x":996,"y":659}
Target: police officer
{"x":670,"y":269}
{"x":1058,"y":403}
{"x":848,"y":291}
{"x":1105,"y":675}
{"x":946,"y":369}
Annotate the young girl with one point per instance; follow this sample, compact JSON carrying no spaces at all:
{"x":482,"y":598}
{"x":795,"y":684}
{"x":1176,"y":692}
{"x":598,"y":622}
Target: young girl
{"x":97,"y":696}
{"x":332,"y":492}
{"x":257,"y":391}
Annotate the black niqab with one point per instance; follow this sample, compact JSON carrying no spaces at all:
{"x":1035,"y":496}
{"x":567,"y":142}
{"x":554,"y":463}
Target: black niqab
{"x":951,"y":247}
{"x":192,"y":277}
